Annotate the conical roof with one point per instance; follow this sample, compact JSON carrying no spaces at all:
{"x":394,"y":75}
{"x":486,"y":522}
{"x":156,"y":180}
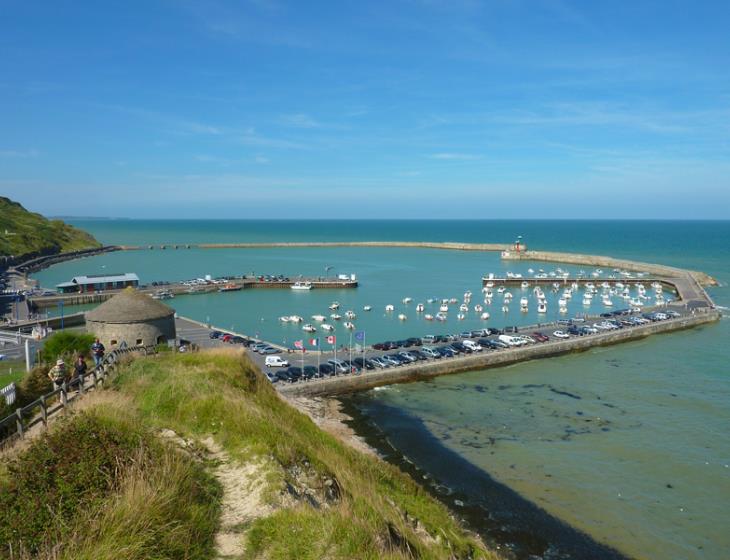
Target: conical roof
{"x":129,"y":306}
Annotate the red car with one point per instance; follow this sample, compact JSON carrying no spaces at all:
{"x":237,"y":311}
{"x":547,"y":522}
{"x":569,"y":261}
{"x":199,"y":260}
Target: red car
{"x":540,"y":337}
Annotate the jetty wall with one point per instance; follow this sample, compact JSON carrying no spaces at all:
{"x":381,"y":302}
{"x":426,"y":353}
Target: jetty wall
{"x":488,"y":359}
{"x":609,"y":262}
{"x":448,"y":245}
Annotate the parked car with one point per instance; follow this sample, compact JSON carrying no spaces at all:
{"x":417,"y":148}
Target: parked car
{"x":539,"y":337}
{"x":379,"y":362}
{"x":326,"y":370}
{"x":473,"y":346}
{"x":338,"y":365}
{"x":215,"y":334}
{"x":428,"y":339}
{"x":414,"y":342}
{"x":561,"y":334}
{"x":308,"y":372}
{"x":269,"y":350}
{"x":431,"y":352}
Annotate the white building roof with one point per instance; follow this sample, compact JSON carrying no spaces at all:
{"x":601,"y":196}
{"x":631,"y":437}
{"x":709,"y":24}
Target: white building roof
{"x":104,"y":278}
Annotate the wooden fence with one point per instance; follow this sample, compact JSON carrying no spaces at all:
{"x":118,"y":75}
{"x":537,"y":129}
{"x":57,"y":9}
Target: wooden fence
{"x":17,"y":424}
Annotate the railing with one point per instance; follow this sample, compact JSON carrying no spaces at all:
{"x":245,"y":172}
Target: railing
{"x":17,"y":424}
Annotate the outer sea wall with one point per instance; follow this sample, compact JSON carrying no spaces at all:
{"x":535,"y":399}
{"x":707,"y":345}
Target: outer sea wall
{"x":609,"y":262}
{"x":488,"y":359}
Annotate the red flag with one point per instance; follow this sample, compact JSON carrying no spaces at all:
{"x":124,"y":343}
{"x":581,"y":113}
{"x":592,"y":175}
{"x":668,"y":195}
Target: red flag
{"x":314,"y":342}
{"x":331,"y":339}
{"x":299,"y":344}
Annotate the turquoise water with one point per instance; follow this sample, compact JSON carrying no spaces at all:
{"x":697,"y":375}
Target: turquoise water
{"x":629,"y":444}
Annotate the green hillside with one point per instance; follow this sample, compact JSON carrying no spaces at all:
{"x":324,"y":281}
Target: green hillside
{"x":196,"y":456}
{"x":23,"y":232}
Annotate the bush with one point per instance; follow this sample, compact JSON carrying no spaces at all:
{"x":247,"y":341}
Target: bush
{"x":66,"y":345}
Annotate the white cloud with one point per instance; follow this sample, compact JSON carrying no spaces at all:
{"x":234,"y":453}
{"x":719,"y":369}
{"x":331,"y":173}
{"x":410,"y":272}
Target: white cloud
{"x":454,"y":156}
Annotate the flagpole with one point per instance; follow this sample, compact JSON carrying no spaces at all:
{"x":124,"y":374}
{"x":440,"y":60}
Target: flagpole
{"x":319,"y":356}
{"x":351,"y":352}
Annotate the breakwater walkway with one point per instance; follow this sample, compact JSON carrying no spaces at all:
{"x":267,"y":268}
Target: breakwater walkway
{"x":489,"y":359}
{"x":446,"y":245}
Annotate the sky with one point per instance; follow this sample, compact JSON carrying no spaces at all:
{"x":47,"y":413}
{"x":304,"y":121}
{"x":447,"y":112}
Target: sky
{"x":352,"y":109}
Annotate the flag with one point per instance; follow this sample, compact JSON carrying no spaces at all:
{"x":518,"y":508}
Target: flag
{"x":331,"y":339}
{"x":314,"y":342}
{"x":360,"y":335}
{"x":299,"y":344}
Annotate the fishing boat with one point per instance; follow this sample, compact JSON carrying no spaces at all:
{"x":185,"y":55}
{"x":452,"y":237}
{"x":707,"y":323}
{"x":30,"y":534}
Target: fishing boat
{"x":309,"y":328}
{"x":301,"y":286}
{"x":230,"y":288}
{"x":402,"y":317}
{"x":349,"y":326}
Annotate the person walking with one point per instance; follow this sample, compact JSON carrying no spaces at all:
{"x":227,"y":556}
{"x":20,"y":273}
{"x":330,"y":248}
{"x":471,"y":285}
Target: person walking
{"x":80,"y":367}
{"x":57,"y":374}
{"x":97,"y":351}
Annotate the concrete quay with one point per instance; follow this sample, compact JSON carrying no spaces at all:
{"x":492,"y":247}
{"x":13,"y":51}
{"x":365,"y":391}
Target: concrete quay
{"x":447,"y":245}
{"x":488,"y":359}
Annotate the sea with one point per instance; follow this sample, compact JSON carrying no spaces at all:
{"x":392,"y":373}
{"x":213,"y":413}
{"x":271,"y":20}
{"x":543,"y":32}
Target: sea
{"x":621,"y":451}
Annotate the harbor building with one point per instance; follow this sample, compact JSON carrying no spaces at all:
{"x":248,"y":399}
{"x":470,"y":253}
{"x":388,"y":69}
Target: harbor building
{"x":98,"y":283}
{"x":132,"y":318}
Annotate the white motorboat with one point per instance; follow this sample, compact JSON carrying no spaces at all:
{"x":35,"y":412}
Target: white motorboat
{"x":607,"y":302}
{"x":562,"y":302}
{"x":367,"y":308}
{"x":587,"y":301}
{"x":525,"y":285}
{"x":334,"y":305}
{"x":563,"y":310}
{"x":349,"y":314}
{"x":328,"y":327}
{"x":419,"y":308}
{"x":484,"y":316}
{"x":542,"y":308}
{"x":460,"y":316}
{"x":284,"y":319}
{"x":440,"y":317}
{"x":467,"y":294}
{"x":407,"y":300}
{"x":319,"y":318}
{"x":488,"y":294}
{"x":389,"y":308}
{"x":301,"y":286}
{"x":478,"y":308}
{"x":402,"y":317}
{"x":428,"y":317}
{"x":335,"y":316}
{"x":295,"y":319}
{"x":309,"y":328}
{"x":453,"y":301}
{"x":500,"y":290}
{"x":505,"y":309}
{"x":523,"y":302}
{"x":348,"y":325}
{"x":463,"y":308}
{"x":444,"y":308}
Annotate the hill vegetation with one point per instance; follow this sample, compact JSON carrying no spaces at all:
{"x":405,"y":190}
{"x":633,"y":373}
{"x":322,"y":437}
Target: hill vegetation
{"x":23,"y":232}
{"x":197,"y":456}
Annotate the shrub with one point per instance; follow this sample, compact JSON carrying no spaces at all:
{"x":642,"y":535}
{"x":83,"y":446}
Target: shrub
{"x":66,"y":345}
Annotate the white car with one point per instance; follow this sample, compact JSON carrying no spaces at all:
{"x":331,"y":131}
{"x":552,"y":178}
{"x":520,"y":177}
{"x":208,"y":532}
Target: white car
{"x":561,"y":334}
{"x":276,"y":361}
{"x":471,"y":345}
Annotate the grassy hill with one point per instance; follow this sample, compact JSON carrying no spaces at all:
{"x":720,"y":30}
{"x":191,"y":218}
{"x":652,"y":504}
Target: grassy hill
{"x":197,"y":456}
{"x":23,"y":232}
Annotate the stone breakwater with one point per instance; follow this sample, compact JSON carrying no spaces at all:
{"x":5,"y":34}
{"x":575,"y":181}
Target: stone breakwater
{"x":447,"y":245}
{"x":424,"y":370}
{"x":610,"y":262}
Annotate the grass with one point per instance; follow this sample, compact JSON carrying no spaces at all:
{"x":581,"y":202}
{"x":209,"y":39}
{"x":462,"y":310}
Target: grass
{"x":32,"y":233}
{"x":374,"y":516}
{"x":11,"y":371}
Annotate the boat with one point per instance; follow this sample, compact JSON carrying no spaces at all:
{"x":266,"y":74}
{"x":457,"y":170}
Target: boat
{"x":334,"y":305}
{"x":295,"y":319}
{"x":587,"y":301}
{"x":478,"y":308}
{"x":444,"y":308}
{"x":430,"y":300}
{"x":230,"y":288}
{"x":402,"y":317}
{"x":350,"y":314}
{"x":440,"y":317}
{"x":367,"y":307}
{"x":500,"y":290}
{"x":301,"y":286}
{"x":467,"y":294}
{"x":328,"y":327}
{"x":284,"y":319}
{"x":463,"y":308}
{"x":453,"y":300}
{"x":460,"y":316}
{"x":419,"y":308}
{"x":348,"y":325}
{"x":542,"y":307}
{"x":163,"y":294}
{"x":309,"y":328}
{"x":389,"y":308}
{"x":488,"y":294}
{"x":428,"y":317}
{"x":562,"y":302}
{"x":335,"y":316}
{"x":407,"y":300}
{"x":563,"y":310}
{"x":484,"y":316}
{"x":523,"y":302}
{"x":524,"y":285}
{"x":319,"y":318}
{"x":505,"y":309}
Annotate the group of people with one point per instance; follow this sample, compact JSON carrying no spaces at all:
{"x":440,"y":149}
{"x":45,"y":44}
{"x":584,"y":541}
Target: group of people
{"x":59,"y":374}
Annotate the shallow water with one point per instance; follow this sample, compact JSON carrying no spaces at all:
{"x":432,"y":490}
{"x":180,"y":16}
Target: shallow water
{"x":628,"y":443}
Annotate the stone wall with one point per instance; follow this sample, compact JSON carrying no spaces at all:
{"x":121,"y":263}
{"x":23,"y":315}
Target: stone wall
{"x":149,"y":332}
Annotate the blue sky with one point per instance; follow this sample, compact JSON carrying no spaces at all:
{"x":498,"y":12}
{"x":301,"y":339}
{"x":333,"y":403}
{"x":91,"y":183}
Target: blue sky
{"x":402,"y":109}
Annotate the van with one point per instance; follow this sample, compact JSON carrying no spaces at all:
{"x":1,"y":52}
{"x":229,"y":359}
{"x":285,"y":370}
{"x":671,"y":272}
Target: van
{"x":275,"y":361}
{"x":511,"y":340}
{"x":473,"y":346}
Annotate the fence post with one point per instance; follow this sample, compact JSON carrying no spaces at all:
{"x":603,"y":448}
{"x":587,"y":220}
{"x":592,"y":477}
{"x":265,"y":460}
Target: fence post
{"x":82,"y":380}
{"x":64,"y":395}
{"x":19,"y":421}
{"x":44,"y":410}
